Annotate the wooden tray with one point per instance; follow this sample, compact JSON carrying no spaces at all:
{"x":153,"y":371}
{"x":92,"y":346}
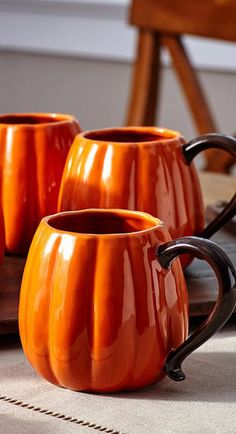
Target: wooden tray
{"x":200,"y":279}
{"x":202,"y":284}
{"x":11,"y":271}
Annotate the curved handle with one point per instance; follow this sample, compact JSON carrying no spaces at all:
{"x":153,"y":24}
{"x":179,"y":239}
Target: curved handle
{"x":199,"y":144}
{"x":225,"y":304}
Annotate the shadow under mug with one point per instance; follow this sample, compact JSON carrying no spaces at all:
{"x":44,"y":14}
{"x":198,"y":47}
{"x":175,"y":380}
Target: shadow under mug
{"x":102,"y":306}
{"x":33,"y":151}
{"x":146,"y":169}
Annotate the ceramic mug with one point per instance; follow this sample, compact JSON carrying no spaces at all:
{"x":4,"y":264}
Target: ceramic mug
{"x":102,"y":307}
{"x":33,"y":151}
{"x":142,"y":168}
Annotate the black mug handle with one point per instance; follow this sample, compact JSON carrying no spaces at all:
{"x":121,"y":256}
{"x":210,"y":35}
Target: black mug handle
{"x":225,"y":304}
{"x":199,"y":144}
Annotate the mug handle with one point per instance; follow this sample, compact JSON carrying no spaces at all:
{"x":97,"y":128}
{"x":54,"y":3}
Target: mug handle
{"x":225,"y":304}
{"x":199,"y":144}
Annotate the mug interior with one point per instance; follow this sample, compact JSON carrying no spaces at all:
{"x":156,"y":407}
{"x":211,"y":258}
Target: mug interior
{"x":130,"y":135}
{"x":30,"y":119}
{"x":102,"y":222}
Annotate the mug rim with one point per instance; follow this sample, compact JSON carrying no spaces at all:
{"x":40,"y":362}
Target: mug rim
{"x":163,"y":135}
{"x":51,"y":119}
{"x":155,"y":222}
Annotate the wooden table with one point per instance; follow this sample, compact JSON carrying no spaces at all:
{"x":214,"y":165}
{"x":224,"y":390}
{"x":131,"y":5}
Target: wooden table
{"x":200,"y":279}
{"x":217,"y":187}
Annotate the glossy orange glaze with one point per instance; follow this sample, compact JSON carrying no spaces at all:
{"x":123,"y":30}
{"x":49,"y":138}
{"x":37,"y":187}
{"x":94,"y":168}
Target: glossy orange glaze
{"x":33,"y":151}
{"x":139,"y":168}
{"x":97,"y":312}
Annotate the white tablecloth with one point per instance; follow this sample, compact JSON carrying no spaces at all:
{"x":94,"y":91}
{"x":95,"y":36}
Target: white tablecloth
{"x":204,"y":403}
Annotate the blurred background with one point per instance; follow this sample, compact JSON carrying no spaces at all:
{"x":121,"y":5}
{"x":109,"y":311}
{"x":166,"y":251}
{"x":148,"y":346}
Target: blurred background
{"x":76,"y":56}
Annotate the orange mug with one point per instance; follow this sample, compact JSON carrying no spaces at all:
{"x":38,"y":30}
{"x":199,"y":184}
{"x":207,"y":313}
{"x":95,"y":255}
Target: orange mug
{"x":146,"y":169}
{"x":33,"y":151}
{"x":102,"y":307}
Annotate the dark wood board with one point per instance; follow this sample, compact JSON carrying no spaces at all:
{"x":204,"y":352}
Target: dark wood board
{"x":11,"y":271}
{"x":201,"y":283}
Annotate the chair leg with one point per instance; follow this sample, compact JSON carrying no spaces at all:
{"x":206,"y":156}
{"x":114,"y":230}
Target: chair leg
{"x":190,"y":84}
{"x":216,"y":161}
{"x":143,"y":95}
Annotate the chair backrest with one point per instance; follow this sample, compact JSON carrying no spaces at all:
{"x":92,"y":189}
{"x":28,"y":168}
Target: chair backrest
{"x":210,"y":18}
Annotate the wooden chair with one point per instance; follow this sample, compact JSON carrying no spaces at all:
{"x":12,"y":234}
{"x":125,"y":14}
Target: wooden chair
{"x":163,"y":23}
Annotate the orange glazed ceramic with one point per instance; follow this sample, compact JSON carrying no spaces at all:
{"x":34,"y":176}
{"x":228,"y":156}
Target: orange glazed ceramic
{"x":33,"y":151}
{"x":142,"y":168}
{"x":101,"y":309}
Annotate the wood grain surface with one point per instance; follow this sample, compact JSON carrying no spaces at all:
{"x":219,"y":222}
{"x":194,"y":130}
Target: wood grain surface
{"x":202,"y":283}
{"x":11,"y":271}
{"x":217,"y":187}
{"x":202,"y":17}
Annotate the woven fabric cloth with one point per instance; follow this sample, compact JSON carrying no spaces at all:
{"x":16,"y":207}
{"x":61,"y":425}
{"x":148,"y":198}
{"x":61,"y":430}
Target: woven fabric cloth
{"x":205,"y":402}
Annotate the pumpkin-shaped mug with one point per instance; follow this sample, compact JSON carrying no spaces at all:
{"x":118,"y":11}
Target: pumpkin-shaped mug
{"x":102,"y":307}
{"x":33,"y":151}
{"x":146,"y":169}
